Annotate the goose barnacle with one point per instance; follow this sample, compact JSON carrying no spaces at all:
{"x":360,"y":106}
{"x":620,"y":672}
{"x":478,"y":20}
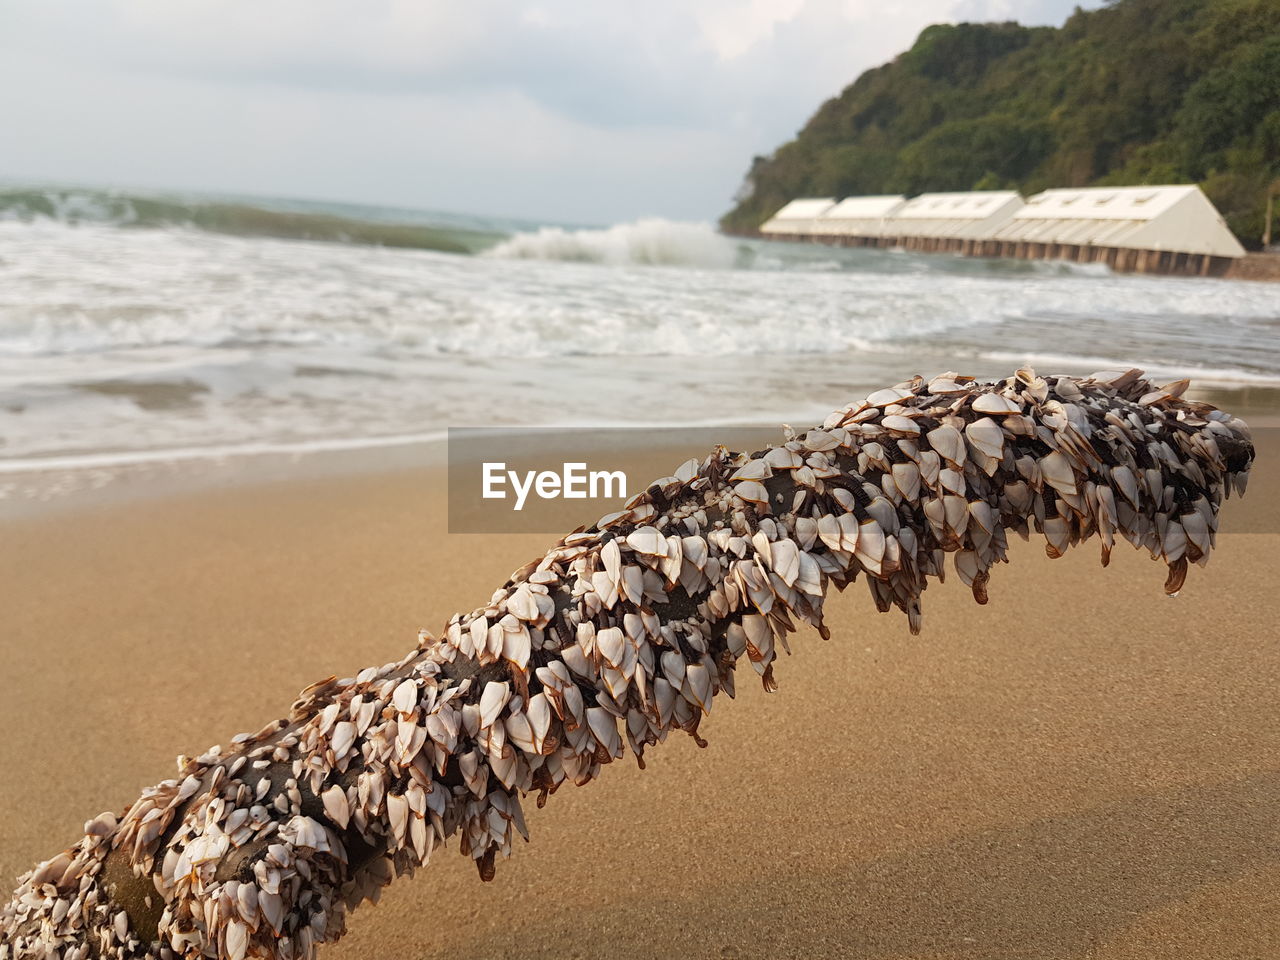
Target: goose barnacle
{"x":642,"y":620}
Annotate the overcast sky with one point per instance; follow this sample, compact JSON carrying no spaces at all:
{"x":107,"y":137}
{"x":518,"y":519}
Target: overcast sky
{"x":587,"y":111}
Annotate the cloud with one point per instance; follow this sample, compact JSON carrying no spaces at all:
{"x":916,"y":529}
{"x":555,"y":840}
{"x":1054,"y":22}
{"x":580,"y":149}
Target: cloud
{"x":547,"y":108}
{"x":733,"y":28}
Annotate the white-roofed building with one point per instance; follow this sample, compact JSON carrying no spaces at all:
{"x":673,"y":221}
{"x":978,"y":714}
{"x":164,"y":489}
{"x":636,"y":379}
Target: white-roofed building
{"x":1168,"y":229}
{"x":797,"y":217}
{"x":857,"y":218}
{"x":975,"y":215}
{"x":1173,"y":219}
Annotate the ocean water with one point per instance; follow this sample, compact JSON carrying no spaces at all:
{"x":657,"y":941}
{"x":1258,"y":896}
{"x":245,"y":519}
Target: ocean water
{"x":136,"y":329}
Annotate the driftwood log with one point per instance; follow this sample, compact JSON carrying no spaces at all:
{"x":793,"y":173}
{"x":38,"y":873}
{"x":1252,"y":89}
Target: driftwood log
{"x":620,"y":634}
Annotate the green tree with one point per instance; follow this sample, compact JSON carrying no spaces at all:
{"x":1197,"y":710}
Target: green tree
{"x":1139,"y":91}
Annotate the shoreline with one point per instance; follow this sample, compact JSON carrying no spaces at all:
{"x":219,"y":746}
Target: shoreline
{"x":43,"y":487}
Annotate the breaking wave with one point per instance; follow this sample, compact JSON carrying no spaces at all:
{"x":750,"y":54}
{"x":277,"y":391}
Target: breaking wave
{"x":648,"y":242}
{"x":297,"y":220}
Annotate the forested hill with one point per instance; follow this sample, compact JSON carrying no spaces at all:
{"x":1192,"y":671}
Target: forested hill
{"x":1140,"y":91}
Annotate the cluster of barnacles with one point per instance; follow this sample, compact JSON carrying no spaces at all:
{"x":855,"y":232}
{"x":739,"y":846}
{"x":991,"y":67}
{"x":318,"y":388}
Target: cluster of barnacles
{"x":619,"y":635}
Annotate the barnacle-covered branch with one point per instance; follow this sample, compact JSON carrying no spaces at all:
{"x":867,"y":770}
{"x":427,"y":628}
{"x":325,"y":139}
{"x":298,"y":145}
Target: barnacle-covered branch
{"x":619,"y":635}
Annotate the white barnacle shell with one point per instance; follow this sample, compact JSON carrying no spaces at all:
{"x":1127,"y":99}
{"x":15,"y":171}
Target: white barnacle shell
{"x":492,"y":700}
{"x":983,"y":515}
{"x":948,"y":442}
{"x":871,"y":545}
{"x":335,"y":806}
{"x":966,"y":562}
{"x":611,"y":643}
{"x":1174,"y":542}
{"x":901,"y":424}
{"x":405,"y":698}
{"x":612,"y":558}
{"x":576,"y":660}
{"x":327,"y":716}
{"x":986,"y":436}
{"x":539,"y":714}
{"x":1057,"y":472}
{"x":783,"y":458}
{"x":753,"y":470}
{"x":479,"y":635}
{"x":344,"y":735}
{"x":237,"y":940}
{"x":946,"y":384}
{"x":522,"y":603}
{"x":849,"y":532}
{"x":809,"y":579}
{"x":1057,"y":535}
{"x":996,"y":403}
{"x":698,"y":686}
{"x":516,"y":646}
{"x":820,"y":440}
{"x":829,"y":531}
{"x":647,"y":540}
{"x":272,"y":906}
{"x":673,"y":667}
{"x":883,"y":398}
{"x":753,"y":492}
{"x":952,"y":480}
{"x":307,"y":833}
{"x":398,"y":817}
{"x":687,"y":471}
{"x":604,"y":728}
{"x":956,"y":510}
{"x":695,"y":551}
{"x":785,"y":560}
{"x":906,"y":478}
{"x":805,"y":477}
{"x":633,"y":584}
{"x":883,"y":511}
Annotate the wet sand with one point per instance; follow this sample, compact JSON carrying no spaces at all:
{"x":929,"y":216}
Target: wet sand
{"x":1082,"y":768}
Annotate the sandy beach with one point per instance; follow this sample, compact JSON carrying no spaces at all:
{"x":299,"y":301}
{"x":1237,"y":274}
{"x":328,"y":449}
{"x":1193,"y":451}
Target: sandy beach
{"x":408,"y":408}
{"x":1082,"y":768}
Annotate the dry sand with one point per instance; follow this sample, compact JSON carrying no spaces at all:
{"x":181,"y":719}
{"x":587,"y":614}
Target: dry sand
{"x":1082,"y":768}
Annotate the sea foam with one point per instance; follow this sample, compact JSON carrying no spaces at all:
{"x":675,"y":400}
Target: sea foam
{"x":119,"y":341}
{"x":649,"y":242}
